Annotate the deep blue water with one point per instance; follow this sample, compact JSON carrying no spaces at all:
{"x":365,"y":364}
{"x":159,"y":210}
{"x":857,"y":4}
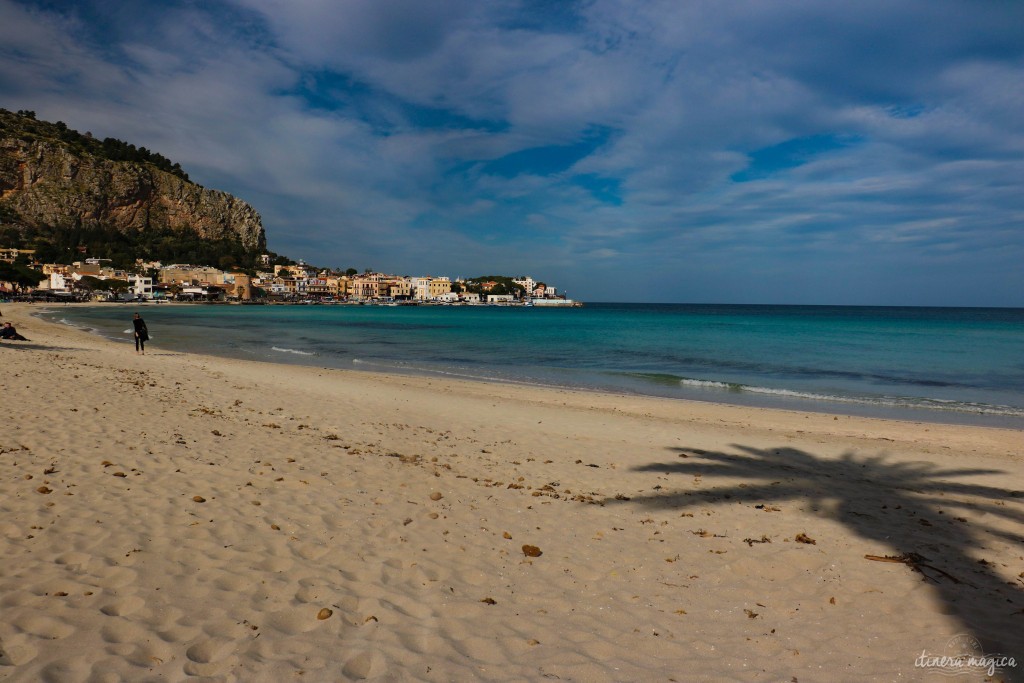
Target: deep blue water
{"x":961,"y":365}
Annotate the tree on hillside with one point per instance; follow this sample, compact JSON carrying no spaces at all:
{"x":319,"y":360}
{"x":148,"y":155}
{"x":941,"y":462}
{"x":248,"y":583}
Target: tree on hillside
{"x":503,"y":285}
{"x":9,"y":215}
{"x":278,"y":260}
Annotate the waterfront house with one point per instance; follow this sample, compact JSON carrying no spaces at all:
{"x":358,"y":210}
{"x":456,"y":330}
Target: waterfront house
{"x":141,"y":286}
{"x":371,"y":286}
{"x":526,"y":282}
{"x":431,"y":288}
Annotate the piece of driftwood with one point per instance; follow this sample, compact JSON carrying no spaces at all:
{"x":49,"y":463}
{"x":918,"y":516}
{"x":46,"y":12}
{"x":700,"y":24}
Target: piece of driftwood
{"x":915,"y":562}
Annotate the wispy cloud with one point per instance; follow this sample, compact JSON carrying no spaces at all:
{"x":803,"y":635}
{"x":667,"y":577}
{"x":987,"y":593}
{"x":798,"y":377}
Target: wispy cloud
{"x":788,"y":151}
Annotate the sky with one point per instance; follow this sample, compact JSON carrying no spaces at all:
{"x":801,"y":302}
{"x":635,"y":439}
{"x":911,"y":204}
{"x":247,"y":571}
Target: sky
{"x":784,"y":152}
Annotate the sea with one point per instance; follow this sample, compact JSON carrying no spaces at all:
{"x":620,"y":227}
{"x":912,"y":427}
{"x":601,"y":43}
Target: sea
{"x":949,"y":365}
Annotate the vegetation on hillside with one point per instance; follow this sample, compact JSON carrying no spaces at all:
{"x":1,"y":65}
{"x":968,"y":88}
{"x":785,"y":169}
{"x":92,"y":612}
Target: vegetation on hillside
{"x":24,"y":125}
{"x":66,"y":244}
{"x":504,"y":285}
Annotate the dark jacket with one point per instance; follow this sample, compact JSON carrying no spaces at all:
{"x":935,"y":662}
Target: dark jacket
{"x":140,"y":329}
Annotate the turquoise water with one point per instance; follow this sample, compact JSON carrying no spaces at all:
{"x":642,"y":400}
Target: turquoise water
{"x":930,"y":364}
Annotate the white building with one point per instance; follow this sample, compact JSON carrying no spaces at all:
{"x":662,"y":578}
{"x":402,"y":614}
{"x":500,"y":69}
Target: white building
{"x":57,"y":283}
{"x":421,"y":288}
{"x":141,"y":286}
{"x":430,"y":288}
{"x":527,"y":283}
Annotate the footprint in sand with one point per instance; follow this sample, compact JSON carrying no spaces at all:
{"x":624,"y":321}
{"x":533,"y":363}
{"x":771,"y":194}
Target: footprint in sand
{"x":211,"y":657}
{"x":275,"y":564}
{"x":211,"y":669}
{"x":313,"y":593}
{"x":119,"y":650}
{"x":74,"y":560}
{"x":309,"y":551}
{"x":364,"y":666}
{"x":178,"y":633}
{"x":116,"y":577}
{"x":118,"y":630}
{"x":282,"y":649}
{"x":17,"y":599}
{"x":66,"y":671}
{"x":16,"y":651}
{"x":481,"y":650}
{"x":225,"y":628}
{"x":162,"y":616}
{"x":407,"y":607}
{"x":294,"y":620}
{"x":421,"y":641}
{"x":10,"y":530}
{"x":42,"y":626}
{"x":207,"y":651}
{"x":232,"y":583}
{"x":121,"y":607}
{"x":150,"y":653}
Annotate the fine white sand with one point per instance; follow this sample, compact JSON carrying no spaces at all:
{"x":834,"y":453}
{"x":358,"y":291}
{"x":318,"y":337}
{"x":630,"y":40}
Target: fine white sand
{"x":175,"y":517}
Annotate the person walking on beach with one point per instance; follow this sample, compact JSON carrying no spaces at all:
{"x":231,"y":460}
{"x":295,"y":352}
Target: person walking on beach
{"x":141,"y":334}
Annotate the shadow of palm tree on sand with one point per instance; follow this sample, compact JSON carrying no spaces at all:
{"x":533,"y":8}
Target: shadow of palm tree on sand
{"x":911,"y":511}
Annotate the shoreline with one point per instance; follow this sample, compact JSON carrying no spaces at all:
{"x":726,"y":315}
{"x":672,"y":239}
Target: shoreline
{"x":603,"y":398}
{"x":903,"y":409}
{"x":401,"y":505}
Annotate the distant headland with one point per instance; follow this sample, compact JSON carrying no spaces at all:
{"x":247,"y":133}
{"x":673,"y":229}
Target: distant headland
{"x":87,"y":219}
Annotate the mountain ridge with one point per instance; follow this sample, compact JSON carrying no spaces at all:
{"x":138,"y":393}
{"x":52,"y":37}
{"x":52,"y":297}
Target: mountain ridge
{"x":62,"y":191}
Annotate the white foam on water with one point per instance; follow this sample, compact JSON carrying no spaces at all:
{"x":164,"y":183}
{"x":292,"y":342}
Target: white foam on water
{"x":706,"y":383}
{"x":883,"y":401}
{"x":295,"y":351}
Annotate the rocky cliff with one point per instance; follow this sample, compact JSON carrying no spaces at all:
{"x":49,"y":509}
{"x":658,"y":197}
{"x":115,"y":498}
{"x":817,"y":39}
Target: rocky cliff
{"x":54,"y":179}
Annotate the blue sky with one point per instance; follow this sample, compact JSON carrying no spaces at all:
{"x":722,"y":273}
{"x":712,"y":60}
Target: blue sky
{"x":743,"y":152}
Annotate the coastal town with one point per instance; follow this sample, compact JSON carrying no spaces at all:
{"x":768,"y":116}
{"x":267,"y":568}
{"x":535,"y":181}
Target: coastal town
{"x":84,"y":219}
{"x":95,"y":279}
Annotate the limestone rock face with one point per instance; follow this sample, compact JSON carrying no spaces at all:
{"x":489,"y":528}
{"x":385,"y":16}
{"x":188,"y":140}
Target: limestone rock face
{"x":47,"y":184}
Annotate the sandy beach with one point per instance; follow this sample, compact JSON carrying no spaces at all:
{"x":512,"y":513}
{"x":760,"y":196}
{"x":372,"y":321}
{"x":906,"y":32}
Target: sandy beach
{"x":174,"y":517}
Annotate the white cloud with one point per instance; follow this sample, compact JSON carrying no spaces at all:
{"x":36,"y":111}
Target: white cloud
{"x":930,"y":92}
